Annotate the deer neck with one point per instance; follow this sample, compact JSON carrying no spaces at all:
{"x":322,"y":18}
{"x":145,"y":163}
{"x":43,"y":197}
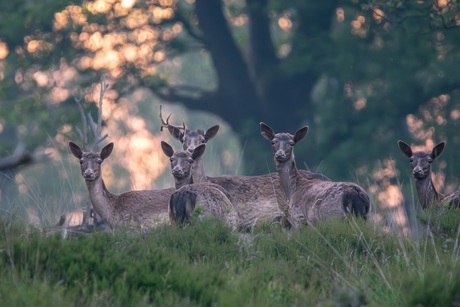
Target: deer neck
{"x":180,"y":182}
{"x":426,"y":192}
{"x":103,"y":201}
{"x":198,"y":171}
{"x":289,"y":176}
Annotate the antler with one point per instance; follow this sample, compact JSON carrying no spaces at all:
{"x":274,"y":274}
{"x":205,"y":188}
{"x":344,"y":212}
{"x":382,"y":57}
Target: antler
{"x":166,"y":124}
{"x":97,"y":129}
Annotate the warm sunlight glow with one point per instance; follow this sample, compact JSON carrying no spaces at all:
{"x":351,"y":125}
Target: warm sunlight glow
{"x":360,"y":104}
{"x":340,"y":14}
{"x":3,"y":50}
{"x":285,"y":23}
{"x":378,"y":15}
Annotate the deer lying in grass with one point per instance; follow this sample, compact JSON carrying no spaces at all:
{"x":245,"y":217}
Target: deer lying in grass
{"x":136,"y":209}
{"x":210,"y":197}
{"x":256,"y":198}
{"x":420,"y":163}
{"x":312,"y":200}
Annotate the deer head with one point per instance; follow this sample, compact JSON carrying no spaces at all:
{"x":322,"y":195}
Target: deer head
{"x":420,"y":161}
{"x":90,"y":162}
{"x":282,"y":143}
{"x":182,"y":161}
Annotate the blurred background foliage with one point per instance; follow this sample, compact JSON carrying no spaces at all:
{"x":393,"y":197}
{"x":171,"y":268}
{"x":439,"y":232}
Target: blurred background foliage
{"x":361,"y":73}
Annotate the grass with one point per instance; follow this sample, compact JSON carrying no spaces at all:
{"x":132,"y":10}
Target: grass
{"x":346,"y":263}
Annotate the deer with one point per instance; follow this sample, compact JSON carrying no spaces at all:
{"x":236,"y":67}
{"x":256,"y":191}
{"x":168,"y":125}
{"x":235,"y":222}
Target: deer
{"x":135,"y":209}
{"x":312,"y":200}
{"x":212,"y":198}
{"x":256,"y":198}
{"x":420,"y":162}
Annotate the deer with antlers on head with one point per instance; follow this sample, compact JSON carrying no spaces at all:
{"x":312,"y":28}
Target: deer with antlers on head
{"x":256,"y":198}
{"x":420,"y":162}
{"x":312,"y":200}
{"x":136,"y":209}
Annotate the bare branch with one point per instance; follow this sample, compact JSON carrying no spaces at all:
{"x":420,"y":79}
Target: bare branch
{"x":20,"y":157}
{"x":83,"y":133}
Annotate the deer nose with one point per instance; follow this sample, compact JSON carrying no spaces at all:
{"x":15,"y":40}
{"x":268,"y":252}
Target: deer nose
{"x":280,"y":154}
{"x":88,"y":173}
{"x":417,"y":171}
{"x":177,"y":170}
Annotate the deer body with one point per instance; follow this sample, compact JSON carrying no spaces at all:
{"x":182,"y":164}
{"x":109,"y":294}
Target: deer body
{"x":256,"y":198}
{"x":312,"y":200}
{"x":136,"y":209}
{"x":421,"y":171}
{"x":211,"y":198}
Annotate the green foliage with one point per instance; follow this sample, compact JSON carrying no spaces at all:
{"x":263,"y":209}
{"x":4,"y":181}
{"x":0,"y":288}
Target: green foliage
{"x":334,"y":263}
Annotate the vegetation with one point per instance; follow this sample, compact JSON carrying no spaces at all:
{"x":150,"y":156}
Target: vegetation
{"x":347,"y":263}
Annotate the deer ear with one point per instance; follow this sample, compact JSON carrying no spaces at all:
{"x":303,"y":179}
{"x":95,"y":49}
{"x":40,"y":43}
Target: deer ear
{"x":167,"y":149}
{"x":176,"y":133}
{"x":300,"y":134}
{"x":198,"y":151}
{"x":266,"y":131}
{"x":211,"y":132}
{"x":437,"y":150}
{"x":106,"y":151}
{"x":75,"y":150}
{"x":405,"y":148}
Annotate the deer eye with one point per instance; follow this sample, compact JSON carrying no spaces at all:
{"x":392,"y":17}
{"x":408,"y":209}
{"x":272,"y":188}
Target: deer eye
{"x":99,"y":161}
{"x":171,"y":160}
{"x":273,"y":142}
{"x":190,"y":161}
{"x":81,"y":161}
{"x":430,"y":160}
{"x":291,"y":143}
{"x":411,"y":160}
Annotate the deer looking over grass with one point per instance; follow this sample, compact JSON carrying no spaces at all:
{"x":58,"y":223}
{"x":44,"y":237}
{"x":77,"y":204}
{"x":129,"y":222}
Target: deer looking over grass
{"x":256,"y":198}
{"x":420,"y":162}
{"x":312,"y":200}
{"x":212,"y":198}
{"x":137,"y":209}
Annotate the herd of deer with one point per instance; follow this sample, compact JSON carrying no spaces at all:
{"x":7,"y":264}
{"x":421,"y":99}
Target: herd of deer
{"x":291,"y":197}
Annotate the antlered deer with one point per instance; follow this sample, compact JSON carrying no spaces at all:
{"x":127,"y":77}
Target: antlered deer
{"x":420,"y":162}
{"x":256,"y":198}
{"x":210,"y":197}
{"x":312,"y":200}
{"x":136,"y":209}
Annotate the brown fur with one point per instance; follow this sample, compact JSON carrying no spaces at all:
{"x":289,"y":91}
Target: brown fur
{"x":312,"y":200}
{"x":420,"y":163}
{"x":136,"y":209}
{"x":211,"y":198}
{"x":256,"y":198}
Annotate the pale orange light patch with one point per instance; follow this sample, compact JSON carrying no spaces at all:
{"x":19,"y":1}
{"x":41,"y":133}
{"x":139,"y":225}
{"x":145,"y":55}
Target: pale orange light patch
{"x":360,"y":103}
{"x":41,"y":78}
{"x":159,"y":56}
{"x":455,"y":114}
{"x":99,"y":6}
{"x":442,"y":3}
{"x":136,"y":19}
{"x":378,"y":15}
{"x":58,"y":94}
{"x":159,"y":14}
{"x":391,"y":197}
{"x":340,"y":14}
{"x":3,"y":50}
{"x":240,"y":20}
{"x":285,"y":23}
{"x":127,"y":4}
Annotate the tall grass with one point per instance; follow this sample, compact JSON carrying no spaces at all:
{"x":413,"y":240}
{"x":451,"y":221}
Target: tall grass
{"x":335,"y":263}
